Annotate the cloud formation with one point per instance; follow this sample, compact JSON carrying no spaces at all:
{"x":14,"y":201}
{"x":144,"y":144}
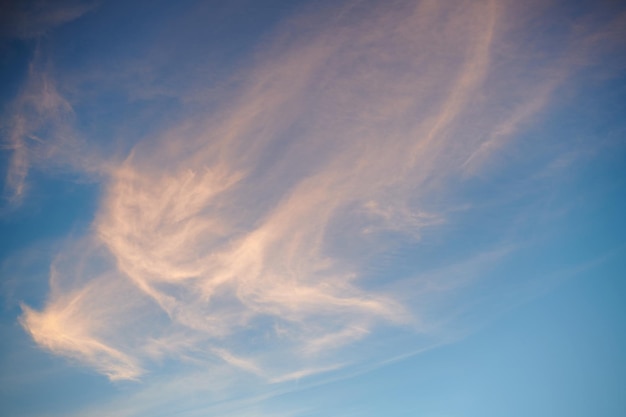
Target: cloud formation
{"x":243,"y":235}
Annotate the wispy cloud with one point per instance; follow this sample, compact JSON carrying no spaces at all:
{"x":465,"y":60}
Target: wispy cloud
{"x":38,"y":111}
{"x":241,"y":236}
{"x":77,"y":317}
{"x":32,"y":19}
{"x":39,"y":131}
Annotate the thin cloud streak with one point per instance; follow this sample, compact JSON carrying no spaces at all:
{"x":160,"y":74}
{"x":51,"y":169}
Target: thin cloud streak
{"x":34,"y":19}
{"x":39,"y":132}
{"x":241,"y":236}
{"x":38,"y":109}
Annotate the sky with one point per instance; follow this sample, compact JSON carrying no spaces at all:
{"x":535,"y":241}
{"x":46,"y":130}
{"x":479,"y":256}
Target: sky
{"x":312,"y":208}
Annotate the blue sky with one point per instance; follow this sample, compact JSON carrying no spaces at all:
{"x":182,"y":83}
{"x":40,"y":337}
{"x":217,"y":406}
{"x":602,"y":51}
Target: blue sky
{"x":313,"y":208}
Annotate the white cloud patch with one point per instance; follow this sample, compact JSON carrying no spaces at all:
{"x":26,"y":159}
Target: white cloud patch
{"x":241,"y":237}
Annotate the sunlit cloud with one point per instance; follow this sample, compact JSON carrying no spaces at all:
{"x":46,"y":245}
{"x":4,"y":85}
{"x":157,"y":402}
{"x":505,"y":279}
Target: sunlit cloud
{"x":240,"y":237}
